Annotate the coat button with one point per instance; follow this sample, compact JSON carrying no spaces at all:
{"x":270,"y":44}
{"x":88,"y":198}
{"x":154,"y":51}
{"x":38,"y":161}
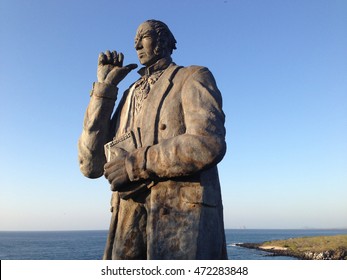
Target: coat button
{"x":162,"y":126}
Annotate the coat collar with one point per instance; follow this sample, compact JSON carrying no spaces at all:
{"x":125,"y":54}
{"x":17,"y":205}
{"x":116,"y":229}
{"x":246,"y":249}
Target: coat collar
{"x":161,"y":64}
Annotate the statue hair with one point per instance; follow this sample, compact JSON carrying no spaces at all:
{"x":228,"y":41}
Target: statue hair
{"x":166,"y":40}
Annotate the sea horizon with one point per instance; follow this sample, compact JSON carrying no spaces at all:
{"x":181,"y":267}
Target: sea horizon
{"x":57,"y":230}
{"x":89,"y":244}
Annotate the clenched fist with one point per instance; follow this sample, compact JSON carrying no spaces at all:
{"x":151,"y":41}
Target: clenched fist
{"x":115,"y":172}
{"x":111,"y":69}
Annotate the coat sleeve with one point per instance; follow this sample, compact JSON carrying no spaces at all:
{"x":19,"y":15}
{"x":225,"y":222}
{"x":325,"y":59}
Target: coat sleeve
{"x":96,"y":130}
{"x":200,"y":147}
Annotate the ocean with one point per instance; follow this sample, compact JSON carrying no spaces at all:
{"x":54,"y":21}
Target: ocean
{"x":89,"y":245}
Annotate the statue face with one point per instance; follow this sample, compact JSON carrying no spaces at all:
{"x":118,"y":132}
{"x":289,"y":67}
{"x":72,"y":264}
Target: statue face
{"x":145,"y":44}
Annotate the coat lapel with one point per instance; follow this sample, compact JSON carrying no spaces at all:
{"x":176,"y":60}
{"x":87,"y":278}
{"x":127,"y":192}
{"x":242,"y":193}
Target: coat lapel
{"x":154,"y":104}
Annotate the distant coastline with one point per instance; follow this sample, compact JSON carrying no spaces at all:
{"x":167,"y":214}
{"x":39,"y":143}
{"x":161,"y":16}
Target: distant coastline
{"x":305,"y":248}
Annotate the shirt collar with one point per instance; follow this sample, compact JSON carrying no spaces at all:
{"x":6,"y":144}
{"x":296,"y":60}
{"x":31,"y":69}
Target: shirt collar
{"x":161,"y":64}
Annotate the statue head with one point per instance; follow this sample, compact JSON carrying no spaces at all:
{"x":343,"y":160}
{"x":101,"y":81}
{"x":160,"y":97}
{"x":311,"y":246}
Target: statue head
{"x":153,"y":41}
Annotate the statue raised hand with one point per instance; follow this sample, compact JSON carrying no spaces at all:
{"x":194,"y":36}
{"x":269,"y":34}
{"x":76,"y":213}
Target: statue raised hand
{"x":111,"y":69}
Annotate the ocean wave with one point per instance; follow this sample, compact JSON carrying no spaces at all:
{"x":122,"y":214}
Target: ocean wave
{"x":233,"y":244}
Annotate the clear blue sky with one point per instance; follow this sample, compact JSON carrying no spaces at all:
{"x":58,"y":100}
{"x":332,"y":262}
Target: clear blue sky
{"x":281,"y":67}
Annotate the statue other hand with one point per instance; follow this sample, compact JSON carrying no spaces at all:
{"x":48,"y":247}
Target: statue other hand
{"x":116,"y":174}
{"x":111,"y":69}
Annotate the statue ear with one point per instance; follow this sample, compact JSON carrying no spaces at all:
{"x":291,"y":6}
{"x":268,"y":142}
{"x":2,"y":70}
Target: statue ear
{"x":163,"y":47}
{"x":164,"y":44}
{"x":160,"y":49}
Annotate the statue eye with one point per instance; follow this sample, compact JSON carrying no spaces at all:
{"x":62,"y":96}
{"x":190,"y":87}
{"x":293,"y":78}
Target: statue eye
{"x":137,"y":40}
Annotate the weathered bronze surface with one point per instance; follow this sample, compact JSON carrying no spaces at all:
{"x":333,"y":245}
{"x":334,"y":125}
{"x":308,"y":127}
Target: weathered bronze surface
{"x":159,"y":151}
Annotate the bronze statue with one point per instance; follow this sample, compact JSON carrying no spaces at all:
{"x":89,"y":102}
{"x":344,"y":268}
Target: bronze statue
{"x":159,"y":151}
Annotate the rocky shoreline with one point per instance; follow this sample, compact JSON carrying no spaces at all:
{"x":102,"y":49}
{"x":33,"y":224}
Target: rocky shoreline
{"x":338,"y":254}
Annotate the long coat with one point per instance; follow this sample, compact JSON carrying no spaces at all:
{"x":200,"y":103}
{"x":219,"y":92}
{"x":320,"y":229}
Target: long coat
{"x":180,"y":140}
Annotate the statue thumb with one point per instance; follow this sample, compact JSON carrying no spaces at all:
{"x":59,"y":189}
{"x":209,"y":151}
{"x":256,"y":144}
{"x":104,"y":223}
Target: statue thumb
{"x":131,"y":66}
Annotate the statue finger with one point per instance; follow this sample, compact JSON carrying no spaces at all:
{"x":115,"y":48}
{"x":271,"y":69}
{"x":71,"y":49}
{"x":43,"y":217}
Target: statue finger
{"x":120,"y":59}
{"x":114,"y":162}
{"x":109,"y":56}
{"x":101,"y":58}
{"x":115,"y":58}
{"x":109,"y":176}
{"x":108,"y":170}
{"x":107,"y":165}
{"x":106,"y":173}
{"x":115,"y":177}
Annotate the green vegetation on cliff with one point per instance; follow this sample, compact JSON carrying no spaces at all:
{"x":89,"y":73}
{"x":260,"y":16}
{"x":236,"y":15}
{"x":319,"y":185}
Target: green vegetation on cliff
{"x":314,"y":244}
{"x":317,"y":247}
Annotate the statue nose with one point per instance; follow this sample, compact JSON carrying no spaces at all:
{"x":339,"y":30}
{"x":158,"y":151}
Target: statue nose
{"x":138,"y":45}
